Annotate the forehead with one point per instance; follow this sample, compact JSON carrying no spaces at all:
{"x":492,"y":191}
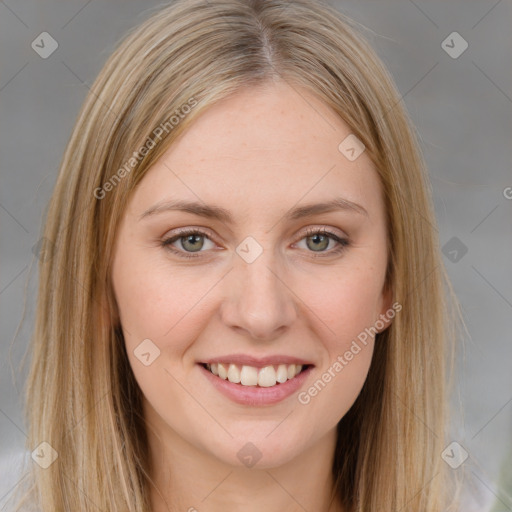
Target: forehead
{"x":265,"y":146}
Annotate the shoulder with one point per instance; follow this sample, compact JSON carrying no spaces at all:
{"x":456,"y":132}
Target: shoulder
{"x":15,"y":473}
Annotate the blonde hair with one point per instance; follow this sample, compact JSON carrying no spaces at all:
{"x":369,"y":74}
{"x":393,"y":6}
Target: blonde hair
{"x":82,"y":397}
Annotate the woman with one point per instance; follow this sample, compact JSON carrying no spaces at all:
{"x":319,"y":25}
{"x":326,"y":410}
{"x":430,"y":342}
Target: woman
{"x":244,"y":302}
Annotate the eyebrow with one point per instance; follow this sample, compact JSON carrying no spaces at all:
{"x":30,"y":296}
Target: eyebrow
{"x":223,"y":215}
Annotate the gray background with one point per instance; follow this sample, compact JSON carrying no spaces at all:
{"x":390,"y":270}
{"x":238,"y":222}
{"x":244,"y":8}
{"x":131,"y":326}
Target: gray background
{"x":462,"y":110}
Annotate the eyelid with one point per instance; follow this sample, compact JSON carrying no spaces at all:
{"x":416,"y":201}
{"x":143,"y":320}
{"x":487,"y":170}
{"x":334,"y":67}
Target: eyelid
{"x":310,"y":230}
{"x":342,"y":239}
{"x":327,"y":229}
{"x":176,"y":233}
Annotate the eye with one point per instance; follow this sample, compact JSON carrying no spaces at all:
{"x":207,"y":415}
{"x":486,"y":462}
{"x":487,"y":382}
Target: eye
{"x":318,"y":240}
{"x":190,"y":240}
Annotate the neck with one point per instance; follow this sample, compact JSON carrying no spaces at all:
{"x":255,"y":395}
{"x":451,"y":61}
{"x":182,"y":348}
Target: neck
{"x":190,"y":478}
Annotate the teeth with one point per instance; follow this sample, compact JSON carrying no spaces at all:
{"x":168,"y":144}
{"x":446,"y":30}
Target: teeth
{"x":267,"y":377}
{"x":252,"y":376}
{"x":223,"y":374}
{"x":282,"y":373}
{"x":234,"y":374}
{"x":249,"y":376}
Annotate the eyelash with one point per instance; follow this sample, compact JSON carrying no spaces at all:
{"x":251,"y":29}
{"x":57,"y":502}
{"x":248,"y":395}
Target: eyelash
{"x":343,"y":243}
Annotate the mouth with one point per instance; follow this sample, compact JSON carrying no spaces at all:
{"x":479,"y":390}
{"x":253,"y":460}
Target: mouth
{"x":260,"y":377}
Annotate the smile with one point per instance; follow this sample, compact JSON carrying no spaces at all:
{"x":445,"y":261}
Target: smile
{"x":245,"y":375}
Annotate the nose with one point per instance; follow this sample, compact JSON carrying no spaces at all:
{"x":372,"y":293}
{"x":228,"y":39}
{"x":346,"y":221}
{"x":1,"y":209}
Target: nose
{"x":257,"y":299}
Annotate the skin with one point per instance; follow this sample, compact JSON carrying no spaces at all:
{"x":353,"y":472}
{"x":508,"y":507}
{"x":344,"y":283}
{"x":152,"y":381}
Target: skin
{"x":257,"y":154}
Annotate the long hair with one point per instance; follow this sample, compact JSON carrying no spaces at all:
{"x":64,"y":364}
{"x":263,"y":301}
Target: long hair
{"x":81,"y":396}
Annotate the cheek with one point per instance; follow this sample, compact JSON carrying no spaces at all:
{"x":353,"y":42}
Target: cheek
{"x":346,"y":302}
{"x":346,"y":308}
{"x":155,"y":302}
{"x":161,"y":306}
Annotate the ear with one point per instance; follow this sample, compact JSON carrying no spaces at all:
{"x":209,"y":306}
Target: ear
{"x":386,"y":310}
{"x":107,"y":311}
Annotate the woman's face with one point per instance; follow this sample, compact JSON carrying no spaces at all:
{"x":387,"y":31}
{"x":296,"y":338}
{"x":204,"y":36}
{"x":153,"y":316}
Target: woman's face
{"x":264,"y":283}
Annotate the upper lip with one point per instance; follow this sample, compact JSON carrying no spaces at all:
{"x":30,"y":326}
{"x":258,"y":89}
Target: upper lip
{"x":259,"y":362}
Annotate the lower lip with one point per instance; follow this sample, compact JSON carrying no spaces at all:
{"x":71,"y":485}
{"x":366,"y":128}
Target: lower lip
{"x":256,"y":395}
